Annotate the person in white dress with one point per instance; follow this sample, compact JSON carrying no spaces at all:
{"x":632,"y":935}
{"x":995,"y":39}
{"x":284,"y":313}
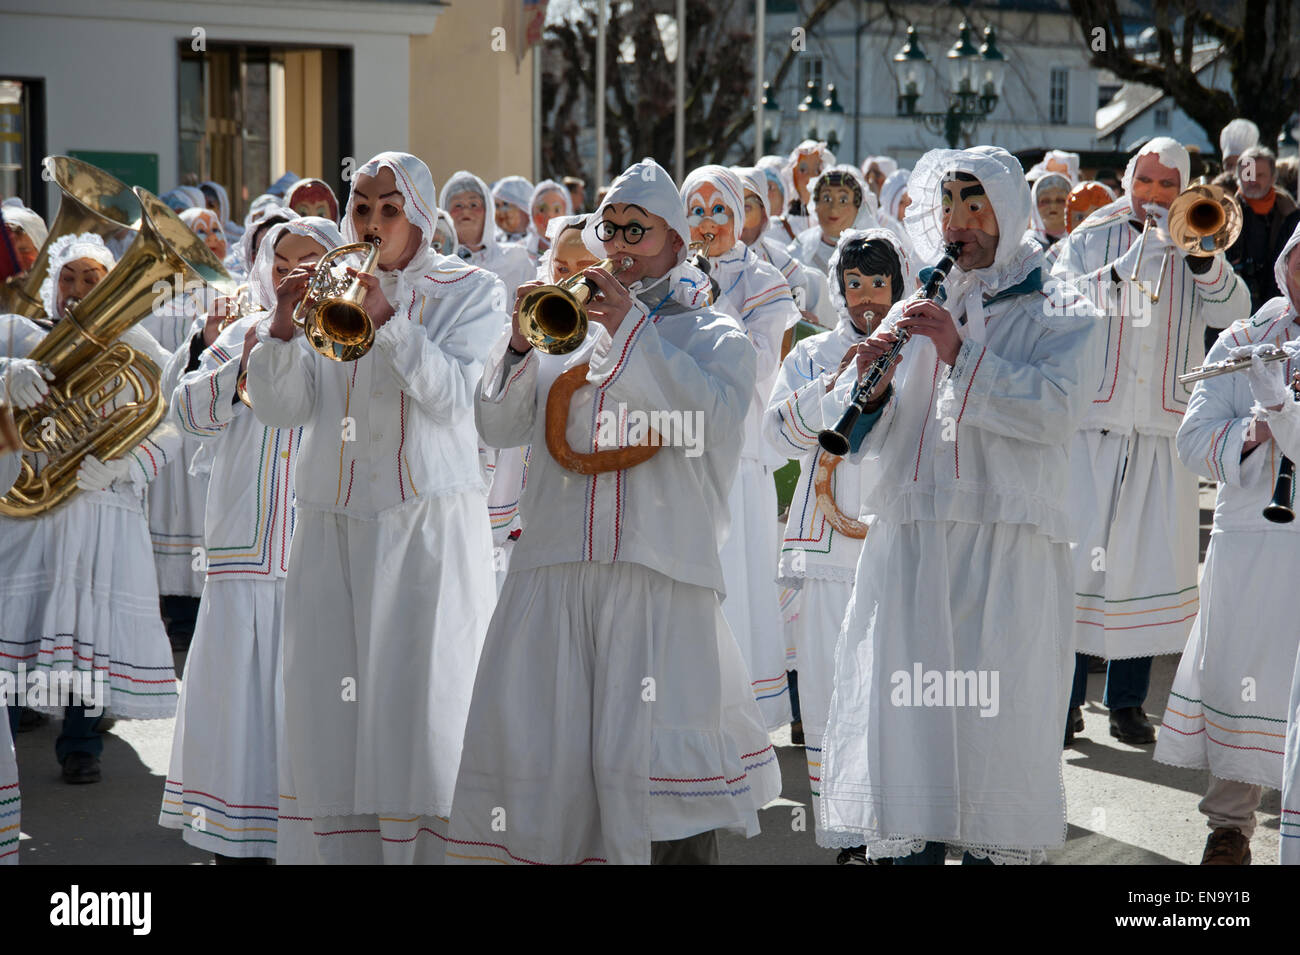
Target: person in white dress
{"x":513,"y":196}
{"x":390,"y":583}
{"x":1133,"y":501}
{"x":805,"y":163}
{"x":953,"y":663}
{"x":549,"y":199}
{"x":222,"y":787}
{"x":11,"y":800}
{"x":80,"y":594}
{"x":612,"y":718}
{"x":756,"y":295}
{"x":827,"y":524}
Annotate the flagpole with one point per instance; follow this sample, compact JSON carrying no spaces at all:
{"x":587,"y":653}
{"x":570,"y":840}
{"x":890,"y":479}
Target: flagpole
{"x":760,"y":28}
{"x":679,"y":112}
{"x":601,"y":12}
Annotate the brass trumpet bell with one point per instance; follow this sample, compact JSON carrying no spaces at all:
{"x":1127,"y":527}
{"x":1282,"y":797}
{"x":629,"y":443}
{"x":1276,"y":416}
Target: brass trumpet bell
{"x":330,"y":313}
{"x":554,"y":317}
{"x":93,"y":201}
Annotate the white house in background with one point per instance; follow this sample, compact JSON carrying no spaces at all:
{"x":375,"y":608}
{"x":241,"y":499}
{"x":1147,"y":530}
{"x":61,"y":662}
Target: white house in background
{"x":1049,"y":97}
{"x":1136,"y":112}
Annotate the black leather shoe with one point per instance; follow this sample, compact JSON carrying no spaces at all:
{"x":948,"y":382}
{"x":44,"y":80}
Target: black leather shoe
{"x":80,"y":768}
{"x":1073,"y":724}
{"x":796,"y":733}
{"x":1130,"y":725}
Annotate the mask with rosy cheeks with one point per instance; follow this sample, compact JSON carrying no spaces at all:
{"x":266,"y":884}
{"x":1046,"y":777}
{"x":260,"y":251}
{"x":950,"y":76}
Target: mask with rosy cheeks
{"x":1153,"y":184}
{"x":808,"y":168}
{"x":378,"y":212}
{"x":1051,"y":209}
{"x":836,"y":209}
{"x":867,"y":293}
{"x":312,"y":197}
{"x":875,"y":179}
{"x":653,"y":255}
{"x":294,"y":251}
{"x":207,"y":228}
{"x":76,"y":279}
{"x":548,"y":205}
{"x":570,"y":255}
{"x":24,"y":248}
{"x":968,"y":218}
{"x":755,"y":220}
{"x":467,"y":213}
{"x":707,"y":214}
{"x":510,"y":219}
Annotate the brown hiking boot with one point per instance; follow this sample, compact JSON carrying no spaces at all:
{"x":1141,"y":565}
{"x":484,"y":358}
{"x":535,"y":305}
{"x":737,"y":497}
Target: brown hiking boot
{"x":1226,"y":847}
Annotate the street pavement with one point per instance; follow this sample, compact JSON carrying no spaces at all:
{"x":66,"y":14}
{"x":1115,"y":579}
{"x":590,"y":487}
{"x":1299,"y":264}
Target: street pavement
{"x":1122,"y":807}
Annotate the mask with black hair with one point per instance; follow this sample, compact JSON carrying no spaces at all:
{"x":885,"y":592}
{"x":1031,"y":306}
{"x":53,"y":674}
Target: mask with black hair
{"x":870,"y":257}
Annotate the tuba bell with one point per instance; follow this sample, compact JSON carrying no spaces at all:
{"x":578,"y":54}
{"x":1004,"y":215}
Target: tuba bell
{"x":92,"y":369}
{"x":554,"y":317}
{"x":93,"y":201}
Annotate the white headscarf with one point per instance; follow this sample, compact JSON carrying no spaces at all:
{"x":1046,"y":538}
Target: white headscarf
{"x":886,"y":164}
{"x":259,"y":206}
{"x":1171,"y":154}
{"x":233,"y":229}
{"x":754,"y":180}
{"x":1043,"y":182}
{"x":1071,"y":160}
{"x":1017,"y":254}
{"x":550,"y":185}
{"x":648,"y":185}
{"x":1238,"y":136}
{"x":191,"y":216}
{"x":465,"y":181}
{"x":261,"y":277}
{"x":415,"y":183}
{"x":891,"y":192}
{"x":69,"y":248}
{"x":787,"y":171}
{"x":515,"y":191}
{"x":28,"y":222}
{"x":728,"y":184}
{"x":774,"y":169}
{"x":837,"y":286}
{"x":241,"y":259}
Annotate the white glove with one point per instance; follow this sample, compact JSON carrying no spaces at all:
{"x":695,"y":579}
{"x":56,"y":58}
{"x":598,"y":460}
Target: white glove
{"x":1266,"y":381}
{"x":97,"y":475}
{"x":1153,"y":257}
{"x":25,"y":382}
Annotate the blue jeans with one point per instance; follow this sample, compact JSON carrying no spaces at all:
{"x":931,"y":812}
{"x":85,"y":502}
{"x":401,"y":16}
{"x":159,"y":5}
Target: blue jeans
{"x":80,"y":734}
{"x":933,"y":854}
{"x":1127,"y":682}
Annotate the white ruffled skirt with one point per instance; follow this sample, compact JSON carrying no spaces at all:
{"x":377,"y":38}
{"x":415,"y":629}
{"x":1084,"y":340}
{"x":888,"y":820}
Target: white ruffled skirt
{"x":177,"y":501}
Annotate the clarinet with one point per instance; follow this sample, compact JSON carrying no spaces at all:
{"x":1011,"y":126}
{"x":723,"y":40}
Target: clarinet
{"x":1279,"y":509}
{"x":836,"y":440}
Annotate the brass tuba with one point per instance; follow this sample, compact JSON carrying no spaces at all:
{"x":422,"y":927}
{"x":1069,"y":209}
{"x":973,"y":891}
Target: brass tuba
{"x":92,"y":369}
{"x":554,"y":317}
{"x":93,"y":201}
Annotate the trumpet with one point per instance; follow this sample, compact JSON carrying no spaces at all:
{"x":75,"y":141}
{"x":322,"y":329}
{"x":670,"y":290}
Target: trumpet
{"x":697,"y":254}
{"x":1230,"y":365}
{"x":1203,"y":220}
{"x":836,"y":440}
{"x":554,"y":317}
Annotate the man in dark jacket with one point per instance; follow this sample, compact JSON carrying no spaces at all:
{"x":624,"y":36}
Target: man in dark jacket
{"x":1269,"y":217}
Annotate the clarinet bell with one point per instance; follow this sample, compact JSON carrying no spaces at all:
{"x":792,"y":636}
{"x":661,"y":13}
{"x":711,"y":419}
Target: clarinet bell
{"x":1279,"y":510}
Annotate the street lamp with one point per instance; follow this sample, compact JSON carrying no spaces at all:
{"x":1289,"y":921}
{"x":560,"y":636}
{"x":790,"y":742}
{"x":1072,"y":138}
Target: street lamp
{"x":835,"y":118}
{"x":811,"y":111}
{"x":975,"y":78}
{"x":771,"y":117}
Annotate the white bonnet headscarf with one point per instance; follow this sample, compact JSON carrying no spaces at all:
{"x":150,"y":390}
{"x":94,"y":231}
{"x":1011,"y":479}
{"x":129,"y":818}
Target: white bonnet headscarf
{"x":892,"y":191}
{"x":774,"y":169}
{"x":415,"y":183}
{"x":754,"y":180}
{"x":866,"y":217}
{"x":886,"y":164}
{"x":515,"y":191}
{"x":465,"y":181}
{"x":865,"y":235}
{"x":1071,"y":160}
{"x":727,"y":183}
{"x":20,"y":217}
{"x":67,"y":249}
{"x":261,"y":277}
{"x":804,"y":148}
{"x":1238,"y":136}
{"x":1171,"y":154}
{"x":1044,"y":182}
{"x":1280,"y":270}
{"x":191,"y":216}
{"x":648,"y":185}
{"x":550,"y":185}
{"x":258,"y":208}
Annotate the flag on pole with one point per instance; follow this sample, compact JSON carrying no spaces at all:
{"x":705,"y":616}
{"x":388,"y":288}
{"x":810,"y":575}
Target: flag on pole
{"x":529,"y":18}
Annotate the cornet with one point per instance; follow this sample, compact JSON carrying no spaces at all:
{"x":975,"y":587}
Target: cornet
{"x":697,"y":254}
{"x":554,"y":317}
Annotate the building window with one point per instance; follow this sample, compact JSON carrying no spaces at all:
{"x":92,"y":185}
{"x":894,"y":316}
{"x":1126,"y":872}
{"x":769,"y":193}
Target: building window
{"x":810,"y":68}
{"x":1060,"y":99}
{"x":1106,"y":93}
{"x":248,"y":114}
{"x":22,"y":141}
{"x":1162,"y":117}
